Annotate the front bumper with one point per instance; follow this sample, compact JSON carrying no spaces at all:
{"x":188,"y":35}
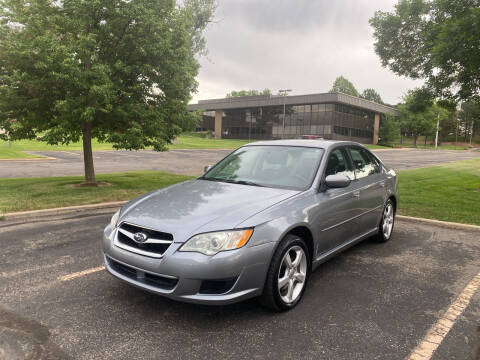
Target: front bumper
{"x":179,"y":275}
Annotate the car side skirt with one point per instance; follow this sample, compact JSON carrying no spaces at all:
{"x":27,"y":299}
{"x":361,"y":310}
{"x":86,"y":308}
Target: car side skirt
{"x":335,"y":251}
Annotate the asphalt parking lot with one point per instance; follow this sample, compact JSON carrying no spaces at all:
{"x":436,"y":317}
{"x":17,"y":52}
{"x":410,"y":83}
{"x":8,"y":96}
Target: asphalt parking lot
{"x":374,"y":301}
{"x":190,"y":162}
{"x":187,"y":162}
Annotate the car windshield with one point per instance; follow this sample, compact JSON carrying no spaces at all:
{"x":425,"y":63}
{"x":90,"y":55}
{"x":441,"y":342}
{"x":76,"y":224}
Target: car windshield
{"x":272,"y":166}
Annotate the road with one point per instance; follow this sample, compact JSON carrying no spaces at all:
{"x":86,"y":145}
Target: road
{"x":190,"y":162}
{"x":374,"y":301}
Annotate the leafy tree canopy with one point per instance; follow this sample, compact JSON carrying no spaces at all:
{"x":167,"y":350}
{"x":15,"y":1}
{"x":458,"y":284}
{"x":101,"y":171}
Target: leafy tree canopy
{"x":437,"y":40}
{"x":418,"y":100}
{"x":389,"y":131}
{"x":342,"y":85}
{"x":469,"y":116}
{"x":419,"y":112}
{"x":117,"y":70}
{"x":372,"y":95}
{"x":240,"y":93}
{"x":472,"y":109}
{"x":345,"y":86}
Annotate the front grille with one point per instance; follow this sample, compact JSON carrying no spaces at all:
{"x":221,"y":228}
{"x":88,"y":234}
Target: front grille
{"x":154,"y":234}
{"x":155,"y":246}
{"x":158,"y":281}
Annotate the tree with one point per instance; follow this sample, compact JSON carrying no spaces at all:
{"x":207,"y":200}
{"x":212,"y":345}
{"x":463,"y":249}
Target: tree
{"x":419,"y":113}
{"x":448,"y":123}
{"x":469,"y":117}
{"x":389,"y":131}
{"x":115,"y":70}
{"x":416,"y":117}
{"x":240,"y":93}
{"x":372,"y":95}
{"x":437,"y":40}
{"x":342,"y":85}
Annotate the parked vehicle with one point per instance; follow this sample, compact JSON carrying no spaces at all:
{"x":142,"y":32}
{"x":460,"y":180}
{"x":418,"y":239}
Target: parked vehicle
{"x":310,"y":137}
{"x":255,"y":224}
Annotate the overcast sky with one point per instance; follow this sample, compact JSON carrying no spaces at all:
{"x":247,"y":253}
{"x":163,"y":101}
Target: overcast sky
{"x":297,"y":44}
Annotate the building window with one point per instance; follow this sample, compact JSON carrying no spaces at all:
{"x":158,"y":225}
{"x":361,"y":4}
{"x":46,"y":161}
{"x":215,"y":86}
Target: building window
{"x":346,"y":131}
{"x":316,"y":119}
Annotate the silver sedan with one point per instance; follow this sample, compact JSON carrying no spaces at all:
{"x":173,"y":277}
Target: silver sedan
{"x":255,"y":224}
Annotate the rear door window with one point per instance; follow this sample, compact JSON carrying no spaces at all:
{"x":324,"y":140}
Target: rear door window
{"x":363,"y":162}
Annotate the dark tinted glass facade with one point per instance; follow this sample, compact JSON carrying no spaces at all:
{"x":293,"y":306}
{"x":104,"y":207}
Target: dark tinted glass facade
{"x":332,"y":121}
{"x":208,"y":122}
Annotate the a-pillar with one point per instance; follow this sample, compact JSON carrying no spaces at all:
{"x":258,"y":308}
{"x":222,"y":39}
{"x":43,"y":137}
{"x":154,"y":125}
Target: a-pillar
{"x":376,"y":127}
{"x":218,"y":124}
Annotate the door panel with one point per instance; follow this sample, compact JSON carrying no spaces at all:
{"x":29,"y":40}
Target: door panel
{"x":370,"y":202}
{"x":337,"y":218}
{"x":371,"y":184}
{"x":337,"y":208}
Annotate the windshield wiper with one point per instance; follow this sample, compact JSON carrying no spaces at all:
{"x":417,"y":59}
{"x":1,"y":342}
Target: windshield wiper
{"x":246,"y":182}
{"x":231,"y":181}
{"x":212,"y":179}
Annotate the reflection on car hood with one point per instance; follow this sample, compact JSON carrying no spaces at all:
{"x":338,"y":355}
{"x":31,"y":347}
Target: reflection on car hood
{"x":198,"y":206}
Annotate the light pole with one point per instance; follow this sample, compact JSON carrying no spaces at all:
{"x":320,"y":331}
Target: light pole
{"x":283,"y":92}
{"x":471,"y":133}
{"x":456,"y":132}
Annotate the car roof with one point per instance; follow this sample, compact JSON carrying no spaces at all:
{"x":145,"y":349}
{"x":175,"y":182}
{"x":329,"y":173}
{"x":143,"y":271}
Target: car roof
{"x":315,"y":143}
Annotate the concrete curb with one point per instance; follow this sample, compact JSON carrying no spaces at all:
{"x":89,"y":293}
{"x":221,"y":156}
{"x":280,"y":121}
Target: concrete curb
{"x":43,"y":158}
{"x":389,"y":149}
{"x":21,"y":215}
{"x":444,"y":224}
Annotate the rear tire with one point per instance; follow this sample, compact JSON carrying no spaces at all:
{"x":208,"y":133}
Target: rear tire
{"x":287,"y":275}
{"x":385,"y":229}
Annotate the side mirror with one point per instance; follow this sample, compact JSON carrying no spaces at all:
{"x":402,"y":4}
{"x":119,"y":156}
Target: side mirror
{"x":337,"y":181}
{"x":206,"y":168}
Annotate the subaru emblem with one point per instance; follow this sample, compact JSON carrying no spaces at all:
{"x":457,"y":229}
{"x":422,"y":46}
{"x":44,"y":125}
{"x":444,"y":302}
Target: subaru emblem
{"x":140,"y":237}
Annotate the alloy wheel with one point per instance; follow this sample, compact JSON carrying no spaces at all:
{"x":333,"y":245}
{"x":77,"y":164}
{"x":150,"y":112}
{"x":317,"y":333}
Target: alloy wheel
{"x":387,"y":224}
{"x":292,"y":274}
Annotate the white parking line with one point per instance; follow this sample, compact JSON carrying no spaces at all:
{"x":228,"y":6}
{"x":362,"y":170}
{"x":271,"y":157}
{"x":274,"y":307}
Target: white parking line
{"x":81,"y":273}
{"x":440,"y":329}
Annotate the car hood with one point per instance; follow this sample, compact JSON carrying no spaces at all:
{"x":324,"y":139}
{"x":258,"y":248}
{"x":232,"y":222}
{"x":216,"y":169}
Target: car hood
{"x":199,"y":206}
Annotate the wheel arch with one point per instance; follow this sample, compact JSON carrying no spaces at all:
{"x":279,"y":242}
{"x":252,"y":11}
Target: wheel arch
{"x":304,"y":232}
{"x":393,"y":198}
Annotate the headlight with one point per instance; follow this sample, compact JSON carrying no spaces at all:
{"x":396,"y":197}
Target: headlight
{"x":214,"y":242}
{"x":113,"y":221}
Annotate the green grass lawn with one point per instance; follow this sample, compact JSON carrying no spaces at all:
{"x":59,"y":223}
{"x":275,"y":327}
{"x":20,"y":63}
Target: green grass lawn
{"x":16,"y":150}
{"x":15,"y":154}
{"x":449,"y":192}
{"x":34,"y":145}
{"x":195,"y":142}
{"x":19,"y":194}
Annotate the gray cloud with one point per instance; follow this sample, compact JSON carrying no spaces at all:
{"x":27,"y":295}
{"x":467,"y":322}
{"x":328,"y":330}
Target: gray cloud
{"x":293,"y":16}
{"x":299,"y":44}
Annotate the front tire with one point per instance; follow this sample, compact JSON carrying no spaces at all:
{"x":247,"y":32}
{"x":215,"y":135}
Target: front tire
{"x":385,"y":228}
{"x":287,"y":275}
